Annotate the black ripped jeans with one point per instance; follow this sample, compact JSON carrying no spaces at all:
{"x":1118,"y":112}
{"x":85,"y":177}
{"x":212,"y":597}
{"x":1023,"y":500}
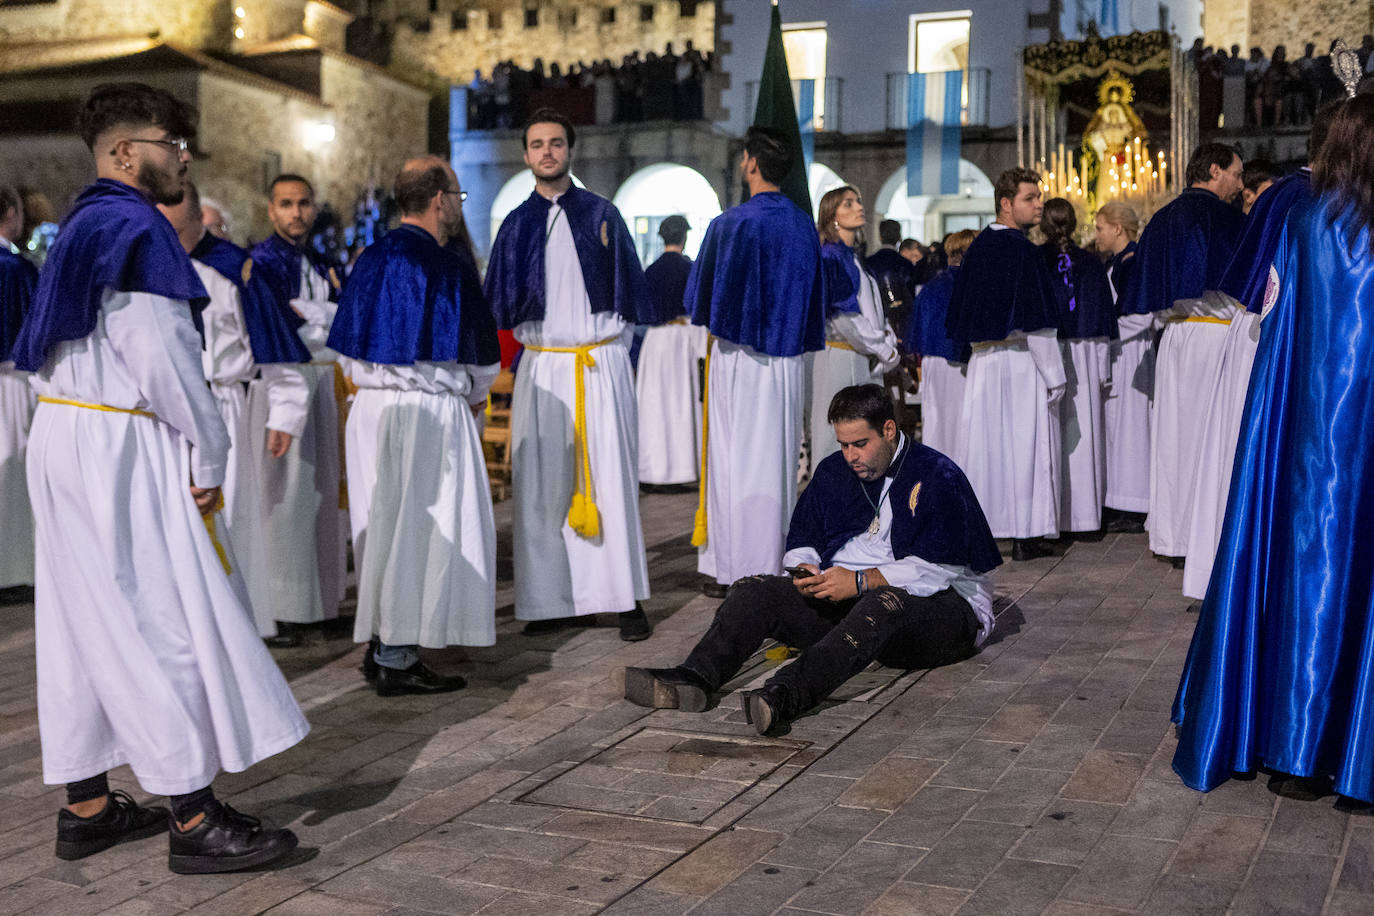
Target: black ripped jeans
{"x":837,"y":638}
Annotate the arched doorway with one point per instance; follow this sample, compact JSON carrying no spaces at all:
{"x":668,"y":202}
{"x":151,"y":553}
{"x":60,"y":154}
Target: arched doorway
{"x":656,"y":192}
{"x":512,"y":194}
{"x":930,"y":218}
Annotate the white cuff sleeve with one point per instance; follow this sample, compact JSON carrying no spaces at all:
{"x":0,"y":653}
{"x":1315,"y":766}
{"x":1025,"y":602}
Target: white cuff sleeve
{"x":288,"y":398}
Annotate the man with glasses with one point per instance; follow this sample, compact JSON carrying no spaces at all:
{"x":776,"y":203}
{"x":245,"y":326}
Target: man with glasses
{"x":419,"y":343}
{"x":147,"y":655}
{"x":564,"y":274}
{"x":303,"y":526}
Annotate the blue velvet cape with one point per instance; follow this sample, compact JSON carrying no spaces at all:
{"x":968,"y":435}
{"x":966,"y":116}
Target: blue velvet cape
{"x":667,"y":279}
{"x":1247,"y":275}
{"x":1184,"y":250}
{"x":1082,"y":294}
{"x":1280,"y":672}
{"x":757,"y":280}
{"x":115,"y":239}
{"x":273,"y":281}
{"x":842,"y":278}
{"x":409,"y":300}
{"x":18,"y":279}
{"x":270,"y":335}
{"x":605,"y":252}
{"x":926,"y":335}
{"x":1002,"y":287}
{"x":1122,"y":266}
{"x":935,"y":515}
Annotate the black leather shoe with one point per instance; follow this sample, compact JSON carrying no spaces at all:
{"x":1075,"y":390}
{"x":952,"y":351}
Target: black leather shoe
{"x":225,"y":840}
{"x":634,"y":625}
{"x":665,"y":688}
{"x":1030,"y":549}
{"x":289,"y":636}
{"x":713,"y":589}
{"x":1126,"y":523}
{"x":541,"y":627}
{"x":418,"y":678}
{"x":762,"y":709}
{"x":369,"y":667}
{"x":122,"y":820}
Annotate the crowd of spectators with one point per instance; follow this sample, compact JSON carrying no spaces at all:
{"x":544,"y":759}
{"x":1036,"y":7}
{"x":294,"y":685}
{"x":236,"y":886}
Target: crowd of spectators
{"x":653,"y":87}
{"x":1273,"y":91}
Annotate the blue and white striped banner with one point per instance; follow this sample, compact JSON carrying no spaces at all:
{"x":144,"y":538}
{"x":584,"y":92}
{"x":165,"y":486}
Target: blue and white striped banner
{"x":934,"y":108}
{"x":806,"y":119}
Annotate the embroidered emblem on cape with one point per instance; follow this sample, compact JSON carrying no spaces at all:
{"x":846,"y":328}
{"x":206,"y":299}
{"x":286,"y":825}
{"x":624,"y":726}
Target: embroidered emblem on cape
{"x":1271,"y":292}
{"x":605,"y":236}
{"x":247,"y":271}
{"x":914,"y":498}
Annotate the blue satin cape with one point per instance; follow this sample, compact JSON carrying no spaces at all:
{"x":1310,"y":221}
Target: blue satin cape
{"x":926,"y":335}
{"x":274,"y":280}
{"x":935,"y":515}
{"x":270,"y":335}
{"x":1002,"y":287}
{"x":667,"y":279}
{"x":1122,"y":269}
{"x":1184,"y":250}
{"x":1280,"y":672}
{"x":18,"y":280}
{"x":757,"y":280}
{"x":1247,"y":275}
{"x":1082,"y":295}
{"x":114,"y":239}
{"x":610,"y":267}
{"x":842,"y":278}
{"x":409,"y":300}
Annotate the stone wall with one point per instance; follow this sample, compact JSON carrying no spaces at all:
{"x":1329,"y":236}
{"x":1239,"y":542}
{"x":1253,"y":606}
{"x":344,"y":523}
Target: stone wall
{"x":1226,"y":22}
{"x":451,"y":55}
{"x":1275,"y":22}
{"x":201,"y":24}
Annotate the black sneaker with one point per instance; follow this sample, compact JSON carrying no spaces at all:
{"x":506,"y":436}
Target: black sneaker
{"x":418,"y":678}
{"x":713,"y":589}
{"x":665,"y":688}
{"x":122,"y":820}
{"x":369,"y":666}
{"x":634,"y":625}
{"x":225,"y":840}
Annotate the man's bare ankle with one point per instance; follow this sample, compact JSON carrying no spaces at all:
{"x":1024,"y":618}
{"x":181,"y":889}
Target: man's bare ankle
{"x":89,"y":809}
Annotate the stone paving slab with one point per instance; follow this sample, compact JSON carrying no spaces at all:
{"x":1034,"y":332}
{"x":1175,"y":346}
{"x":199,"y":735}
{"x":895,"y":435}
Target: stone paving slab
{"x":1032,"y":778}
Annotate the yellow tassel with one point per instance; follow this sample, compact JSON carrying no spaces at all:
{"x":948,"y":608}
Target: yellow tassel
{"x":699,"y":523}
{"x":583,"y":517}
{"x":214,"y":535}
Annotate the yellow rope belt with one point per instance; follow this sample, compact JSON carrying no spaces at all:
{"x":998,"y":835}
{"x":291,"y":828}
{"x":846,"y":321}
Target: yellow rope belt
{"x":841,"y":345}
{"x":699,"y":522}
{"x":583,"y":516}
{"x":219,"y":500}
{"x":1207,"y":319}
{"x":993,"y":344}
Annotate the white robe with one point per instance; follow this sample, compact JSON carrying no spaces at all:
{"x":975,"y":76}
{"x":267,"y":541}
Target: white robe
{"x":303,"y":523}
{"x":942,"y":404}
{"x":559,"y":573}
{"x":1225,"y":410}
{"x":668,"y":390}
{"x":1128,"y":410}
{"x":16,"y":518}
{"x":753,"y":442}
{"x":851,"y":338}
{"x":1189,"y":363}
{"x":424,"y":536}
{"x":147,"y":651}
{"x":1010,"y":452}
{"x":1083,"y":433}
{"x":229,"y":368}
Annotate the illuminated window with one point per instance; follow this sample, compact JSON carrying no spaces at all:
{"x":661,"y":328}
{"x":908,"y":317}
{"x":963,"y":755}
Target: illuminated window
{"x":939,"y":42}
{"x":804,"y":46}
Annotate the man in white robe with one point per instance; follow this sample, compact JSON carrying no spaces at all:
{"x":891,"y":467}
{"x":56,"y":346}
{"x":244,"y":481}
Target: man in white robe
{"x":1004,"y":308}
{"x":17,"y":281}
{"x":564,"y":275}
{"x":304,"y":526}
{"x":147,"y":652}
{"x":757,"y":286}
{"x":419,"y":344}
{"x":228,"y":360}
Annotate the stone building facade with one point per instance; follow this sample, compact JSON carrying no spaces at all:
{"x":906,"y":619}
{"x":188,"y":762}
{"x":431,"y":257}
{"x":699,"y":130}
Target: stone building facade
{"x":1266,"y":23}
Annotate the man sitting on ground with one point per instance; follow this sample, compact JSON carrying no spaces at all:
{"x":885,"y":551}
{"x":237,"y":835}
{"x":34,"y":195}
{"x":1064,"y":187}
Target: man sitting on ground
{"x":895,"y":552}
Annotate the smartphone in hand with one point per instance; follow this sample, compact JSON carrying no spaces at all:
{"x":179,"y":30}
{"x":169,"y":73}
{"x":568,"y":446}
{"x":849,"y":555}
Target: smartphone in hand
{"x":798,"y":572}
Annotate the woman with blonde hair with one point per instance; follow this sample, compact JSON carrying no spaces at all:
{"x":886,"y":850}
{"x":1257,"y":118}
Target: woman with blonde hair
{"x":1128,"y":402}
{"x":859,"y":346}
{"x":944,"y":364}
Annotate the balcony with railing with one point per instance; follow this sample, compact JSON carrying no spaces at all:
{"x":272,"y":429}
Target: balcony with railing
{"x":974,"y":97}
{"x":821,"y":97}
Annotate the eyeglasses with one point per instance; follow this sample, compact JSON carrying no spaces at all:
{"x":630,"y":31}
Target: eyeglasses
{"x":462,"y":195}
{"x":179,"y":144}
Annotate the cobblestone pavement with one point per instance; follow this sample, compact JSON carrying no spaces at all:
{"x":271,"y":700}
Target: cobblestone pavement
{"x":1033,"y":778}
